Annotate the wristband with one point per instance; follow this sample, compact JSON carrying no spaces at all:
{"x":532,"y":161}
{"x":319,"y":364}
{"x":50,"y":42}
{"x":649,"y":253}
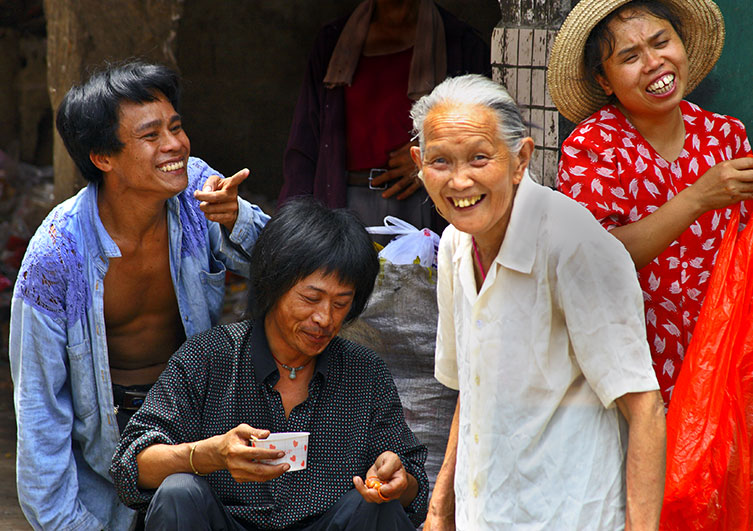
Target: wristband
{"x":190,"y":460}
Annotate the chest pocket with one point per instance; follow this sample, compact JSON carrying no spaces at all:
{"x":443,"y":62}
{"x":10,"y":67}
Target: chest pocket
{"x":213,"y":284}
{"x":82,"y":381}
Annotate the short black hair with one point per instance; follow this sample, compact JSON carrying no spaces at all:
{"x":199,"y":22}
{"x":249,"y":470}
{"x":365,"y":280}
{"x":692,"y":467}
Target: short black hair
{"x":600,"y":42}
{"x":303,"y":237}
{"x":88,"y":117}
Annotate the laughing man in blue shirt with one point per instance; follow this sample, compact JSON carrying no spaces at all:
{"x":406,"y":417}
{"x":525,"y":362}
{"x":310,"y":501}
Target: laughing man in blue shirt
{"x":113,"y":282}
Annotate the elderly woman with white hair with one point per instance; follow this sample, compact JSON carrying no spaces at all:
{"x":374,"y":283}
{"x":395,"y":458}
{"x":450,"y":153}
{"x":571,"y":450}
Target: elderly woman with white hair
{"x":540,"y":328}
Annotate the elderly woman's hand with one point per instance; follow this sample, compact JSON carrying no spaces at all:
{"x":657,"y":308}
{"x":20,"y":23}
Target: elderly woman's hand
{"x":219,"y":198}
{"x":401,"y":167}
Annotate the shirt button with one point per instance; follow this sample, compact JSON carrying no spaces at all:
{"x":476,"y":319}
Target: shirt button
{"x":478,"y":380}
{"x":98,"y":330}
{"x":185,"y":318}
{"x":96,"y":286}
{"x":475,"y":437}
{"x":475,"y":489}
{"x":479,"y":323}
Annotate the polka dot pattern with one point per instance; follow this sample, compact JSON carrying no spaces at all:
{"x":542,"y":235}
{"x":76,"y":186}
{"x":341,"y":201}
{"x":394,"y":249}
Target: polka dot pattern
{"x":225,"y":377}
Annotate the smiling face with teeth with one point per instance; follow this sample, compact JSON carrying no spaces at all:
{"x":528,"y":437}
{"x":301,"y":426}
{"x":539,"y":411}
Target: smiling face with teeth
{"x":469,"y":171}
{"x":648,"y":69}
{"x":154,"y":153}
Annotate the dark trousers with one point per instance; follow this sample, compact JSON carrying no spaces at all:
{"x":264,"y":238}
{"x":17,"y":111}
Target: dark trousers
{"x":186,"y":501}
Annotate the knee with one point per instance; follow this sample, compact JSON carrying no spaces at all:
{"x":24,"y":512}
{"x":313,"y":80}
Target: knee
{"x":180,"y":497}
{"x":182,"y":488}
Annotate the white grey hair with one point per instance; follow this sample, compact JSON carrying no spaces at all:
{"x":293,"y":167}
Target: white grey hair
{"x":474,"y":89}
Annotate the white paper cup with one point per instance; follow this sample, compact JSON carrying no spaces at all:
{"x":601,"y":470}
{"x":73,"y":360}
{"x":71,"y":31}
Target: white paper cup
{"x":294,"y":444}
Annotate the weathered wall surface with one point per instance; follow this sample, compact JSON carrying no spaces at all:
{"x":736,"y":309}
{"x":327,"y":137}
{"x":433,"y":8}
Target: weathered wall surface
{"x":25,"y":114}
{"x":521,"y":44}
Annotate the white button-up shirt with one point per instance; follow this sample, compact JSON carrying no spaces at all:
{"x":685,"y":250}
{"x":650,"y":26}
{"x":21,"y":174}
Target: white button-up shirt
{"x":539,"y":355}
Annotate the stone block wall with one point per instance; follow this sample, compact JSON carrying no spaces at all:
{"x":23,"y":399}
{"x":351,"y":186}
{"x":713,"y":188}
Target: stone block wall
{"x":521,"y":43}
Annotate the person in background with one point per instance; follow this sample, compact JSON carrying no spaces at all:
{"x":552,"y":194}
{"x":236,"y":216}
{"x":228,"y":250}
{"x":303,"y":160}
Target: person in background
{"x":113,"y":281}
{"x":351,"y":133}
{"x":659,"y":173}
{"x":285,"y":370}
{"x":540,"y":328}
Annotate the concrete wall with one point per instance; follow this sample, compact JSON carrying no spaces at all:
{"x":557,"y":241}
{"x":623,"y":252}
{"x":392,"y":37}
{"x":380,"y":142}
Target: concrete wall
{"x":521,"y":44}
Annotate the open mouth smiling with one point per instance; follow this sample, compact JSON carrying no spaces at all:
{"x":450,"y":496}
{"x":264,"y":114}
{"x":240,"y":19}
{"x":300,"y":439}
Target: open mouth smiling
{"x":662,"y":85}
{"x":172,"y":166}
{"x":466,"y":202}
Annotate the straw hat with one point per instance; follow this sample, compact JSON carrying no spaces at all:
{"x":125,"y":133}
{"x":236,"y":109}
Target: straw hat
{"x":576,"y":93}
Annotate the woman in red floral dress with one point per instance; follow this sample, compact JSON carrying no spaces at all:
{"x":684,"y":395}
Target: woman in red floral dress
{"x":660,"y":173}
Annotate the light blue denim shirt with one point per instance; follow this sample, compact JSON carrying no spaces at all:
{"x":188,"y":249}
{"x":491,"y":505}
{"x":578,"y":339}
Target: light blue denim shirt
{"x":67,"y":432}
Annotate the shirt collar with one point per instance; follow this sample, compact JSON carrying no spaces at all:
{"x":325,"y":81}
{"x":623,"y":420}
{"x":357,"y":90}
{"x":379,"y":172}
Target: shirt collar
{"x":264,"y":362}
{"x":518,"y":249}
{"x":104,"y":244}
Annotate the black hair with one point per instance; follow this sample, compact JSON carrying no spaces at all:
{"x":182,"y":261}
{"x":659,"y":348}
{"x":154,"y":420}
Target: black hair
{"x":600,"y":42}
{"x":88,"y":117}
{"x":303,"y":237}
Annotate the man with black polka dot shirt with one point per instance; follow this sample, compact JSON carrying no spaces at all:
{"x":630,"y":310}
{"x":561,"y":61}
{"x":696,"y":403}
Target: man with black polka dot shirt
{"x":312,"y":269}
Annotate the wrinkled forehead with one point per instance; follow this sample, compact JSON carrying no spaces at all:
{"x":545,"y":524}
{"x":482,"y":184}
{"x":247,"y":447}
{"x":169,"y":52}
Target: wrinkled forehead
{"x":452,"y":119}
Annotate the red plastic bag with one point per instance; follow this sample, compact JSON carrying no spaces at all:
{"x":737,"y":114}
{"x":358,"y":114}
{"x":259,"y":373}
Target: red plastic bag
{"x":710,"y":418}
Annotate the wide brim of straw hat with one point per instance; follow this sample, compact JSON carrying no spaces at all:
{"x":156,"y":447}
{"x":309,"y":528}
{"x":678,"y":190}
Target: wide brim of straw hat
{"x":576,"y":93}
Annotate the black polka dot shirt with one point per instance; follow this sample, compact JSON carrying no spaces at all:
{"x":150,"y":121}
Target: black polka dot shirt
{"x":225,"y":377}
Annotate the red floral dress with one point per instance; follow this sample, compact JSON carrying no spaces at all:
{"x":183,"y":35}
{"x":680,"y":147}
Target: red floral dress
{"x":609,"y":168}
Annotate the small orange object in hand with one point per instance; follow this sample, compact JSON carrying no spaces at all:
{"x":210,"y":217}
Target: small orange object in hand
{"x":373,"y":482}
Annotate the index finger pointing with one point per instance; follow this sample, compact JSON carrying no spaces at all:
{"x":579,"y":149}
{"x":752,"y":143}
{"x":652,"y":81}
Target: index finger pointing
{"x":236,"y":179}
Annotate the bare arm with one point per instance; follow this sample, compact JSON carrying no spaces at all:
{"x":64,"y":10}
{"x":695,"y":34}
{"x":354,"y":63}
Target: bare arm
{"x":725,"y":184}
{"x":646,"y":458}
{"x":441,"y":515}
{"x":229,"y":451}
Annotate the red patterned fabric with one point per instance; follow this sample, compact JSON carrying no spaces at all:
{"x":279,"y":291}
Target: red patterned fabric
{"x":609,"y":168}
